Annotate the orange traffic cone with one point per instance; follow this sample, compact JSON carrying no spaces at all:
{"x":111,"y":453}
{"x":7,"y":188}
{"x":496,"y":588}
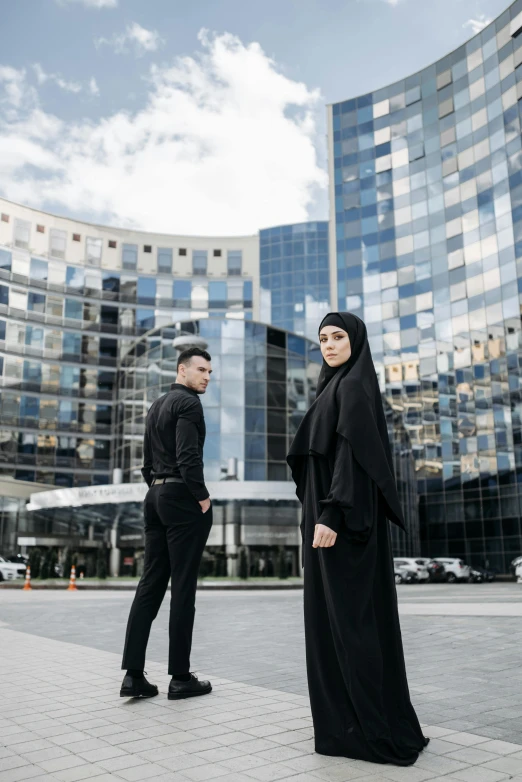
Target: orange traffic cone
{"x":72,"y":581}
{"x":27,"y":585}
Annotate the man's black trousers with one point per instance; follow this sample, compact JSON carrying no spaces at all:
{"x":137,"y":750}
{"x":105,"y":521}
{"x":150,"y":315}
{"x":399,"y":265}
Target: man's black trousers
{"x":176,"y":531}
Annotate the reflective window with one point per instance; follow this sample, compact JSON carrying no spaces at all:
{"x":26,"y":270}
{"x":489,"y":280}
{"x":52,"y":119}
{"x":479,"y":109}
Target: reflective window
{"x":146,"y":290}
{"x":129,"y":256}
{"x":217,"y":294}
{"x":164,"y":260}
{"x":182,"y":292}
{"x":57,"y":243}
{"x":199,"y":262}
{"x":36,"y":302}
{"x":38,"y":269}
{"x":72,"y":346}
{"x":75,"y":277}
{"x":93,"y":251}
{"x":22,"y":233}
{"x":5,"y":260}
{"x":74,"y":308}
{"x":145,"y":319}
{"x":234,"y":262}
{"x":110,"y":282}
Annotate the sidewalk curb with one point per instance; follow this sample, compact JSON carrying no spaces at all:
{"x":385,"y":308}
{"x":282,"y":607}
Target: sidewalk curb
{"x":131,"y":586}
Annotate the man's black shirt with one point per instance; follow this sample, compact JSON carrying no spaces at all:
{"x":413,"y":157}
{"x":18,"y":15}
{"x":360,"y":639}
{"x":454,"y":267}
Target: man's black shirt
{"x":174,"y":438}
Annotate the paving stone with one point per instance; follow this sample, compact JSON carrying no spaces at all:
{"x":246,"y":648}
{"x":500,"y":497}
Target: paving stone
{"x":257,"y":723}
{"x":480,"y":774}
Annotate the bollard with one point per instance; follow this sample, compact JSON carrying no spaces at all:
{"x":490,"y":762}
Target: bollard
{"x":27,"y":585}
{"x":72,"y":581}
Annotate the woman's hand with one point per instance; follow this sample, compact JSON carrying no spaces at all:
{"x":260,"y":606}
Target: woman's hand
{"x":324,"y":537}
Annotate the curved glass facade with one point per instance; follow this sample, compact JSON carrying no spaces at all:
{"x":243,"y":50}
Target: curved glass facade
{"x":73,"y":297}
{"x":263,"y":381}
{"x":426,"y":199}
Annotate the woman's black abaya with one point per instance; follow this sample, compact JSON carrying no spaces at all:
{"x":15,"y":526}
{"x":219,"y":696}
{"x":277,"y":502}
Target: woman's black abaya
{"x":341,"y":463}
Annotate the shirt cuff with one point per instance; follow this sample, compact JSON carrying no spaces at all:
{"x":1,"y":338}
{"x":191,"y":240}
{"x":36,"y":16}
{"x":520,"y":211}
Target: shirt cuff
{"x":332,"y":517}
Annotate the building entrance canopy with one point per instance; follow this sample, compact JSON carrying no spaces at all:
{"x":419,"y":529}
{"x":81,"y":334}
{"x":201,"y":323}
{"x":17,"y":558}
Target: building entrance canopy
{"x":121,"y":493}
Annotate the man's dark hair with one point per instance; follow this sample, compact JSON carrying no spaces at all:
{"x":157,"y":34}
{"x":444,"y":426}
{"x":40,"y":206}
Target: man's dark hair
{"x":188,"y":355}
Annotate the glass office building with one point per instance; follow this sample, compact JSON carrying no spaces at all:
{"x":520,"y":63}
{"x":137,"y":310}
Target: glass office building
{"x":73,"y":298}
{"x":294,"y":276}
{"x":426,"y":201}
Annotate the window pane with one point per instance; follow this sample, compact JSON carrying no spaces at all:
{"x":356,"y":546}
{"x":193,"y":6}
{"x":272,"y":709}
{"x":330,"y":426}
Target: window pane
{"x":199,"y":262}
{"x":234,"y":262}
{"x":146,"y":290}
{"x":75,"y":277}
{"x":22,"y":233}
{"x":57,"y":243}
{"x":130,"y":256}
{"x":110,"y":282}
{"x":36,"y":302}
{"x":73,"y":308}
{"x":5,"y":260}
{"x":38,"y":269}
{"x":164,"y":260}
{"x":93,"y":251}
{"x":182,"y":293}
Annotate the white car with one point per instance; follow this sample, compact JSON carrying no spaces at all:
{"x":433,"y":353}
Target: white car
{"x":456,"y":569}
{"x":516,"y":568}
{"x":11,"y":570}
{"x":416,"y":566}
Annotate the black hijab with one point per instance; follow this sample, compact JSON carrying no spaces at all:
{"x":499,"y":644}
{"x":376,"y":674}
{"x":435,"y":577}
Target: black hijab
{"x":348,"y":403}
{"x":349,"y":323}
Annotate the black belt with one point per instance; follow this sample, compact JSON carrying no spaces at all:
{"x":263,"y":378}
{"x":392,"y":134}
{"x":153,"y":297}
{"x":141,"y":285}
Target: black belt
{"x":160,"y":481}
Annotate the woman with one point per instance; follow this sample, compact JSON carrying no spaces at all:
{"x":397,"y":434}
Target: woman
{"x":342,"y":465}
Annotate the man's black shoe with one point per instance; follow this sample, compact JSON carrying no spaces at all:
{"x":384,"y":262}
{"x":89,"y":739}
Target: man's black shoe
{"x":133,"y":687}
{"x":178,"y":690}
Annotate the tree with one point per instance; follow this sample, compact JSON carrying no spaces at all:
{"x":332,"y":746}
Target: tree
{"x":35,"y":559}
{"x":243,"y":563}
{"x":101,"y":564}
{"x":282,"y":566}
{"x":220,"y":565}
{"x":45,"y":571}
{"x":67,"y":563}
{"x":53,"y":563}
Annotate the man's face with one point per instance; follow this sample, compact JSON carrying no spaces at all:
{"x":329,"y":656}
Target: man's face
{"x":196,"y":374}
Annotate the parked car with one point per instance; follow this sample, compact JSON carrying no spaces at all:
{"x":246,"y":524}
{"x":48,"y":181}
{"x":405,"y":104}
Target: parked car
{"x":10,"y":570}
{"x":515,"y":564}
{"x":404,"y":576}
{"x":456,"y":569}
{"x":436,"y":570}
{"x":20,"y":559}
{"x":481,"y":574}
{"x":415,"y":565}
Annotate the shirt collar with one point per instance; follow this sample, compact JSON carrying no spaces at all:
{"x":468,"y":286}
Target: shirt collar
{"x":181,"y":387}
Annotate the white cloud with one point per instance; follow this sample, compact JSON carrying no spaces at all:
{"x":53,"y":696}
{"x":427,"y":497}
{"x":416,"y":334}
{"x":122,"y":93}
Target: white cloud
{"x":91,"y":3}
{"x":478,"y":24}
{"x":93,"y":87}
{"x":225,"y":144}
{"x":42,"y":77}
{"x":135,"y":38}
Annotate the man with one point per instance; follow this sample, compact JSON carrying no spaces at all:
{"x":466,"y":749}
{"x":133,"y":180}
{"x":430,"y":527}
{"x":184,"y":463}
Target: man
{"x":178,"y":518}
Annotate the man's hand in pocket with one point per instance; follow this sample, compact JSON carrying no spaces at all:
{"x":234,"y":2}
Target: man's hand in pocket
{"x":205,"y":504}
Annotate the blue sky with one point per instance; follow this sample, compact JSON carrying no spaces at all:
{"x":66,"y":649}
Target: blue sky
{"x":124,"y":111}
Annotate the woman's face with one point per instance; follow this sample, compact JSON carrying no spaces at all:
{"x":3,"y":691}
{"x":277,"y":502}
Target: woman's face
{"x":335,"y":345}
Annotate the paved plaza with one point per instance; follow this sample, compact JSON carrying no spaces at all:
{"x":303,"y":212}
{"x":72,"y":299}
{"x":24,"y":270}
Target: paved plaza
{"x":62,"y":719}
